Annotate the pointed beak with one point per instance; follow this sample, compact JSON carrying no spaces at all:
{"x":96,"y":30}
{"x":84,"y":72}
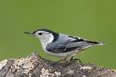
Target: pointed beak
{"x":29,"y":33}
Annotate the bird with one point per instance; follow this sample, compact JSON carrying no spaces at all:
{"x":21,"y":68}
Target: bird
{"x":62,"y":45}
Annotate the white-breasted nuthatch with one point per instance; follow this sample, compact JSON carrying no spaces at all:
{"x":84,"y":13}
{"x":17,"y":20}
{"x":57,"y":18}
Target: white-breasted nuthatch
{"x":62,"y":45}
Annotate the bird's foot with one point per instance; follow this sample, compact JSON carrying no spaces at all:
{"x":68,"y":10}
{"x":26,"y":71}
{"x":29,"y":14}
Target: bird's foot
{"x":66,"y":61}
{"x":76,"y":59}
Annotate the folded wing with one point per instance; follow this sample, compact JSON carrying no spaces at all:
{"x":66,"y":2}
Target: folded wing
{"x":69,"y":43}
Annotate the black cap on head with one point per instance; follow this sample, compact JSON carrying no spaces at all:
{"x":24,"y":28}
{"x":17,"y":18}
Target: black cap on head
{"x":47,"y":30}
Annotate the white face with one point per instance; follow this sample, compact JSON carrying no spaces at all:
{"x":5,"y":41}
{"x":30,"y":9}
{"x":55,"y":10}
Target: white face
{"x":45,"y":37}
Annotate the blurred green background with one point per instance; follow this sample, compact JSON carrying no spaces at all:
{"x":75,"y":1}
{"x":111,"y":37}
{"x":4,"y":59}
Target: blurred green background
{"x":92,"y":19}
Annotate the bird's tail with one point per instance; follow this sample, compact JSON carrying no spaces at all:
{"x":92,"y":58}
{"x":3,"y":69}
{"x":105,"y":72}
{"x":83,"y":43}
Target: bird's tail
{"x":95,"y":43}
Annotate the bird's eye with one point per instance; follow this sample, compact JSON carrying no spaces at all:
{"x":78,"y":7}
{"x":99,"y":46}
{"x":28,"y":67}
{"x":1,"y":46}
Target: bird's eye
{"x":39,"y":33}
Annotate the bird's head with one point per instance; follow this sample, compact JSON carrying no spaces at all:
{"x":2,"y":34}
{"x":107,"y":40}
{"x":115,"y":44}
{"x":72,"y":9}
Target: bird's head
{"x":45,"y":35}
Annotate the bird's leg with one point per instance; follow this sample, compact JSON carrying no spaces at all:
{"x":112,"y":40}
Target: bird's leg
{"x":75,"y":53}
{"x":66,"y":59}
{"x":70,"y":57}
{"x":77,"y":59}
{"x":63,"y":60}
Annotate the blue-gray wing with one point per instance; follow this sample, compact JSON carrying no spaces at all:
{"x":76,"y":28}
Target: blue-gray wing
{"x":59,"y":48}
{"x":68,"y":43}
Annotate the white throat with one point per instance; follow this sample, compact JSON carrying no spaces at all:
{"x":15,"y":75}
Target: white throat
{"x":46,"y":40}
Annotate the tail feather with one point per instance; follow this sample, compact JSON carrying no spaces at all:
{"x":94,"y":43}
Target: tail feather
{"x":95,"y":43}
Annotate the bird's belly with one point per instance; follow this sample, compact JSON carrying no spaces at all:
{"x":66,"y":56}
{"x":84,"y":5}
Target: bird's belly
{"x":61,"y":54}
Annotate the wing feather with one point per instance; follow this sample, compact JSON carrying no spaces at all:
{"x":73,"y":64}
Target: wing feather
{"x":68,"y":43}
